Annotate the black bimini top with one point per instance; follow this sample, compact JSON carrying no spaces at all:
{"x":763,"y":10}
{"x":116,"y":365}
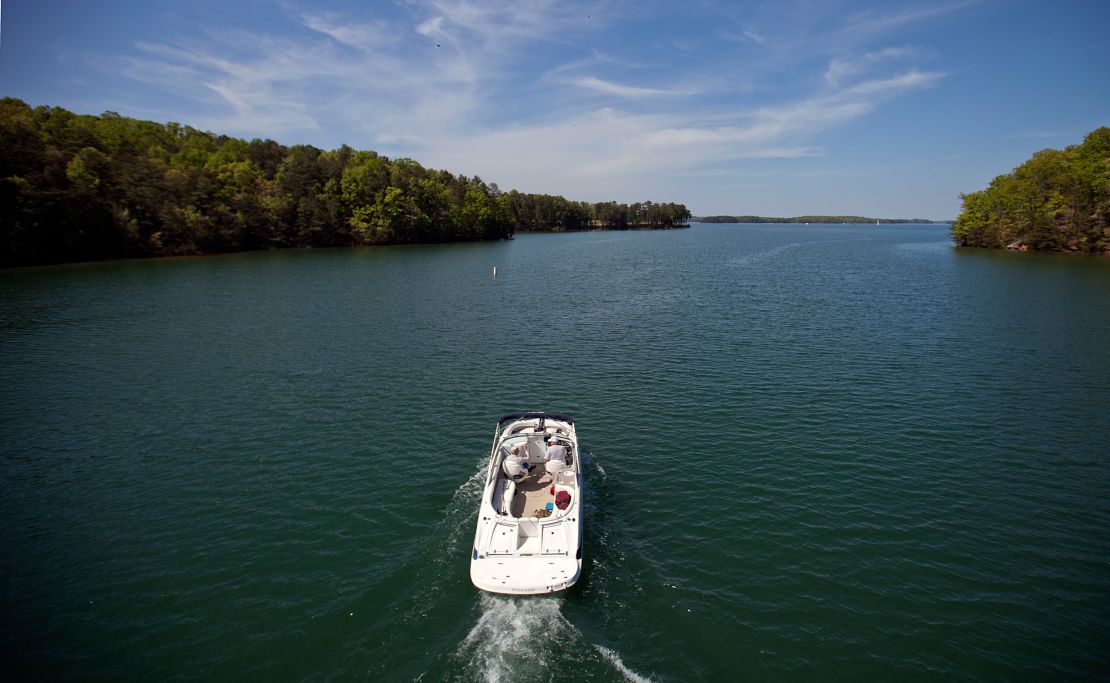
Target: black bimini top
{"x":535,"y":413}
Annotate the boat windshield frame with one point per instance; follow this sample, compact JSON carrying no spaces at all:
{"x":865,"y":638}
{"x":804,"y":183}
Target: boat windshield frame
{"x":529,"y":414}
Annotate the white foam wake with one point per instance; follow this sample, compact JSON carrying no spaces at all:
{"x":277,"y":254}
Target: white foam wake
{"x":614,"y":658}
{"x":748,"y":259}
{"x":459,"y":513}
{"x":523,"y":638}
{"x":510,"y":640}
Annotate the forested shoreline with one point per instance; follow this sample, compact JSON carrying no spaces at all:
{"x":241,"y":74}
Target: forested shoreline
{"x":1055,"y":201}
{"x":838,"y":220}
{"x":78,"y":187}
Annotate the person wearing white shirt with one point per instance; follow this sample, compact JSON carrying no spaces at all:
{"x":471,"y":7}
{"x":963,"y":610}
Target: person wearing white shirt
{"x":556,"y":456}
{"x":516,"y":463}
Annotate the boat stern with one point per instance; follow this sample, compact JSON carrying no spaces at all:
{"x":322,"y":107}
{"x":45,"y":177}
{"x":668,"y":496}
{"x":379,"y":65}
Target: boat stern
{"x":510,"y":575}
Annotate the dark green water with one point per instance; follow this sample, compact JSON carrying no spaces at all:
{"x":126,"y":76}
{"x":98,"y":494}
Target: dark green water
{"x":834,"y":452}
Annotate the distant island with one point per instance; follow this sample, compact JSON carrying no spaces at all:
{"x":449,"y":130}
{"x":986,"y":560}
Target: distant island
{"x":81,"y":188}
{"x":1056,"y":201}
{"x":843,"y":220}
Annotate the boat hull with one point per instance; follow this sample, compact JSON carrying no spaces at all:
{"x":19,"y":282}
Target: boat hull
{"x":528,"y":539}
{"x":524,"y":575}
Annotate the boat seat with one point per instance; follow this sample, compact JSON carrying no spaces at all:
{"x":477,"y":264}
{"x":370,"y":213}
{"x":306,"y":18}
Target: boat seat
{"x":514,"y":470}
{"x":507,"y":497}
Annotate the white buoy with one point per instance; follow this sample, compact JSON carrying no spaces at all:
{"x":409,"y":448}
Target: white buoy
{"x":495,"y":271}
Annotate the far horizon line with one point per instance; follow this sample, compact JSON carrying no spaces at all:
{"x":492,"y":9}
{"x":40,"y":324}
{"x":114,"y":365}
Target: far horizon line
{"x":810,"y":218}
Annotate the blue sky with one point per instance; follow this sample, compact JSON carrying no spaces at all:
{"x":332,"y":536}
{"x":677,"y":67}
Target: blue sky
{"x":774,"y":108}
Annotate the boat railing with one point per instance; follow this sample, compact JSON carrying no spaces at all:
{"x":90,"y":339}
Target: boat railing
{"x":534,"y":414}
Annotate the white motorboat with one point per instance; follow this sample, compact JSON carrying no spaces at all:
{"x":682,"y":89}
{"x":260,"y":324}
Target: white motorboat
{"x":529,"y":535}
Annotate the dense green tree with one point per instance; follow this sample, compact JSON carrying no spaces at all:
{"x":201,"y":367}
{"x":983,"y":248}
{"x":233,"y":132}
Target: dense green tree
{"x":1057,"y":200}
{"x":532,"y":212}
{"x":80,"y":187}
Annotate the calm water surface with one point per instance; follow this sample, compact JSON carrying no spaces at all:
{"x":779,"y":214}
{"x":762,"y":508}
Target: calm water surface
{"x":835,"y":452}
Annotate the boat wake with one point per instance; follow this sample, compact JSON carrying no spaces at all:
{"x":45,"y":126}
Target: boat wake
{"x":588,"y":459}
{"x":523,"y":638}
{"x":749,"y":259}
{"x":615,"y":660}
{"x":433,"y":568}
{"x":512,"y":638}
{"x":463,"y":501}
{"x":530,"y":639}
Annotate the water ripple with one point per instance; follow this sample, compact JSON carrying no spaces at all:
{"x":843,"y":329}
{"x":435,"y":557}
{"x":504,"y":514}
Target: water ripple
{"x":837,"y":452}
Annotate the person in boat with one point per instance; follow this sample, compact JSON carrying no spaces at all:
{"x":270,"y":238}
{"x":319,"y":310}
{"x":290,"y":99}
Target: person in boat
{"x":516,"y":462}
{"x":519,"y":455}
{"x":556,"y":456}
{"x":555,"y":451}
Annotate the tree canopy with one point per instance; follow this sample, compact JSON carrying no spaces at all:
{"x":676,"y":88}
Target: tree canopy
{"x":81,"y":187}
{"x":1056,"y":201}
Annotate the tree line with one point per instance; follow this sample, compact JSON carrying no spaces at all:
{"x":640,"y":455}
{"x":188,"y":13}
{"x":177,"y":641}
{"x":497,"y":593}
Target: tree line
{"x":846,"y":220}
{"x":541,"y":212}
{"x":1055,"y":201}
{"x":76,"y":187}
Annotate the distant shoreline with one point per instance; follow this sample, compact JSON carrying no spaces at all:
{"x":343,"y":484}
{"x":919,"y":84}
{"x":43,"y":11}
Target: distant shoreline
{"x":832,"y":220}
{"x":607,"y":228}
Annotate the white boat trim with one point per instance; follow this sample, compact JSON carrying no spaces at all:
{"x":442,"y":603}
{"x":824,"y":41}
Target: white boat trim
{"x":519,"y":547}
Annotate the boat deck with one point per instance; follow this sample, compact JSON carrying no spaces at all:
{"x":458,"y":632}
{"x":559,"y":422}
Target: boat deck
{"x":532,"y":494}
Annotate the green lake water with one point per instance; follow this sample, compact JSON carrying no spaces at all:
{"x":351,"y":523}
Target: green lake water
{"x":826,"y":452}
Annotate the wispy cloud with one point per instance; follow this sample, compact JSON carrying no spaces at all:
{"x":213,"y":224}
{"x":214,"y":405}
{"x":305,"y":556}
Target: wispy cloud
{"x":630,"y":149}
{"x":251,"y":90}
{"x":432,"y":81}
{"x":871,"y":23}
{"x":841,"y":69}
{"x":608,"y":87}
{"x":368,"y":36}
{"x":595,"y":59}
{"x":905,"y":81}
{"x":754,"y":37}
{"x":499,"y":24}
{"x":744,"y":35}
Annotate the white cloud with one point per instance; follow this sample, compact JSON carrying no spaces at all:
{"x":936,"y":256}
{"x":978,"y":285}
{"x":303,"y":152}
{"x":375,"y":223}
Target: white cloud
{"x":498,"y":23}
{"x":388,"y":89}
{"x":754,"y":37}
{"x":840,"y":69}
{"x":432,"y":28}
{"x":910,"y":79}
{"x":570,"y":155}
{"x":369,"y":36}
{"x":592,"y":83}
{"x":743,"y":35}
{"x":870,"y":23}
{"x":262,"y":89}
{"x":595,"y":59}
